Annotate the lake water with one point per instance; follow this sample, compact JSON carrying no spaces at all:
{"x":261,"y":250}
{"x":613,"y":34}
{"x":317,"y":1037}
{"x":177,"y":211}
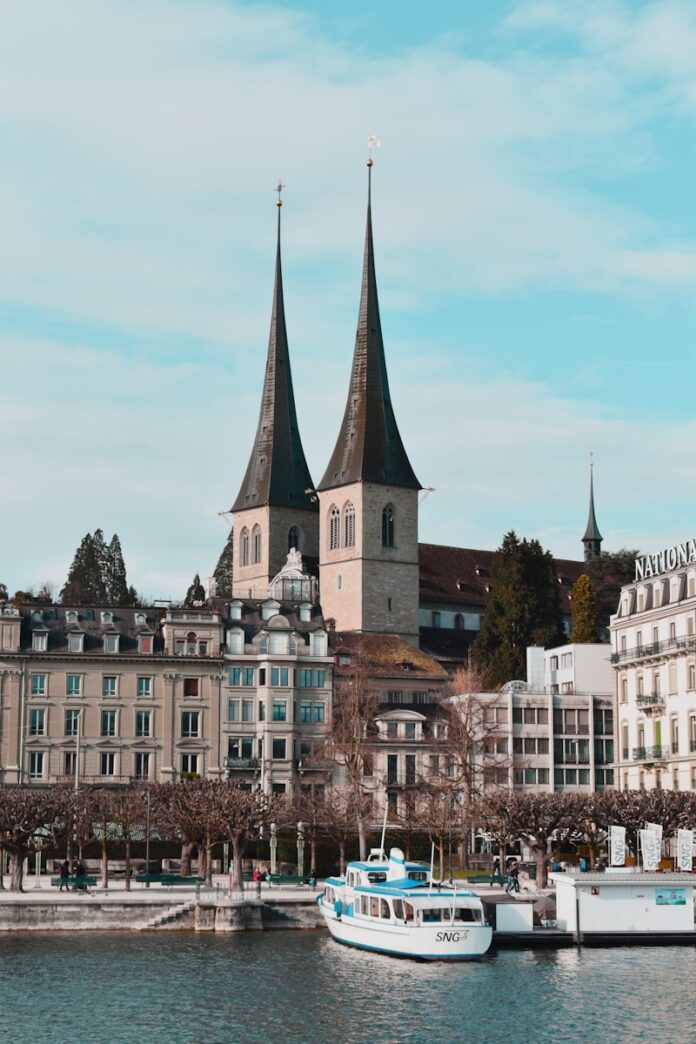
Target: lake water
{"x":300,"y":986}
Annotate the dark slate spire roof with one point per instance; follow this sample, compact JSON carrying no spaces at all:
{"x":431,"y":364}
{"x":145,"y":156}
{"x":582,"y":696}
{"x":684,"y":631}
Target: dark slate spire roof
{"x":369,"y":446}
{"x":277,"y":472}
{"x":592,"y":538}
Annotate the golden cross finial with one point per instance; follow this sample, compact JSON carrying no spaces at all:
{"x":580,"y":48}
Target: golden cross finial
{"x":373,"y":142}
{"x":279,"y":188}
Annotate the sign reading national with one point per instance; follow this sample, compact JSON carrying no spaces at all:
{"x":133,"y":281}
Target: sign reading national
{"x":666,"y":560}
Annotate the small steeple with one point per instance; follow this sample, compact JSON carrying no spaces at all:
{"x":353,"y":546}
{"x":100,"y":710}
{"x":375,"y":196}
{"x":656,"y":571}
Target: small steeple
{"x":369,"y":446}
{"x":592,"y":538}
{"x":277,"y":473}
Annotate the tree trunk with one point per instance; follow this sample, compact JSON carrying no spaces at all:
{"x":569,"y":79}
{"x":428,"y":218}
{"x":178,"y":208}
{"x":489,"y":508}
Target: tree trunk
{"x":128,"y":864}
{"x":16,"y":871}
{"x":207,"y":871}
{"x":541,"y":859}
{"x":342,"y":858}
{"x":237,"y":880}
{"x":313,"y":853}
{"x":362,"y":838}
{"x":2,"y":869}
{"x":104,"y":860}
{"x":186,"y":853}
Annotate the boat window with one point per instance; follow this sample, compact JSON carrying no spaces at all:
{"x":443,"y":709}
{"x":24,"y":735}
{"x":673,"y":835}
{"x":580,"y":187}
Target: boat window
{"x":431,"y":916}
{"x":376,"y":876}
{"x":329,"y":894}
{"x":384,"y":909}
{"x":366,"y":906}
{"x":399,"y":909}
{"x":418,"y":875}
{"x":466,"y":914}
{"x":374,"y":906}
{"x":408,"y":911}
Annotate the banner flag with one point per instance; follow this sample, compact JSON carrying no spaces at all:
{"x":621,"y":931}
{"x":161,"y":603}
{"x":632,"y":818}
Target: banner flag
{"x":685,"y":850}
{"x":617,"y":845}
{"x":651,"y":849}
{"x":657,"y":830}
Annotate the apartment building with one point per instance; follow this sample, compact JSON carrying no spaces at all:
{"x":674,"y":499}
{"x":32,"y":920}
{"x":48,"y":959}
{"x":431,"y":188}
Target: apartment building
{"x":654,"y":661}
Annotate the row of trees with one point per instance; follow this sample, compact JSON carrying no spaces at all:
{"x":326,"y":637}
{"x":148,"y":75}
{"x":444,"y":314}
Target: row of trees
{"x":199,"y":814}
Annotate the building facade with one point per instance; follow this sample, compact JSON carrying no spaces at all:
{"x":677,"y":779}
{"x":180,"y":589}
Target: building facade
{"x":653,"y":644}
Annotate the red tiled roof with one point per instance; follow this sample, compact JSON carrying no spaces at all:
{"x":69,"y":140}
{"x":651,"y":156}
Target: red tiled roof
{"x":460,"y":576}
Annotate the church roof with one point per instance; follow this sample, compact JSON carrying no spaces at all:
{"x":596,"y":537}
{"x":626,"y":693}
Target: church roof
{"x":277,"y":472}
{"x":592,"y":531}
{"x":369,"y":446}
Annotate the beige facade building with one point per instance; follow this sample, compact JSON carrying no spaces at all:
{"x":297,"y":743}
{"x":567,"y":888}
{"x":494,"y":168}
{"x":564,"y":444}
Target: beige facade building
{"x":111,"y":696}
{"x":653,"y":637}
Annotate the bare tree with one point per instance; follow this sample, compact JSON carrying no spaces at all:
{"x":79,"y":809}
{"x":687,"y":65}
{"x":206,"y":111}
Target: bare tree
{"x":339,"y":820}
{"x":129,"y":809}
{"x":26,"y":812}
{"x":351,"y":738}
{"x":244,"y":812}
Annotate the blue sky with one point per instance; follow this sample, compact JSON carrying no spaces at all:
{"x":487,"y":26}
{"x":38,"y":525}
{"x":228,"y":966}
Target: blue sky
{"x":535,"y":223}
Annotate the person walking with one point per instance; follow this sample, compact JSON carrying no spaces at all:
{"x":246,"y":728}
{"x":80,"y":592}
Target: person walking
{"x":495,"y":872}
{"x":64,"y":876}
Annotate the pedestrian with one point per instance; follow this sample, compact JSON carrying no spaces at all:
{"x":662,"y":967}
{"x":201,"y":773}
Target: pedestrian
{"x":80,"y":875}
{"x":64,"y":876}
{"x":312,"y":879}
{"x":515,"y":874}
{"x":255,"y":876}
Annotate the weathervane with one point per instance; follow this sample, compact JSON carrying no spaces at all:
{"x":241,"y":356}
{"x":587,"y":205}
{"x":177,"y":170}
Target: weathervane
{"x":373,"y":142}
{"x":279,"y":188}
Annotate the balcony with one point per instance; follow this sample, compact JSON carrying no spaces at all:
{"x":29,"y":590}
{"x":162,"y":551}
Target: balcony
{"x":643,"y":652}
{"x":650,"y":753}
{"x":650,"y":700}
{"x":241,"y":764}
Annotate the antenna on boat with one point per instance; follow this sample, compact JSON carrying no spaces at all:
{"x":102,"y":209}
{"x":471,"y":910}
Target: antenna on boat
{"x":384,"y":830}
{"x":432,"y":863}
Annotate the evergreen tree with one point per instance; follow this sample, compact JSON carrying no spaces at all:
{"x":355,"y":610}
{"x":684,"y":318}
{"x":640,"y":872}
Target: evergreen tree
{"x":195,"y":593}
{"x":223,"y":570}
{"x":583,"y":612}
{"x":3,"y":593}
{"x":608,"y":573}
{"x":97,"y":575}
{"x":117,"y":583}
{"x":524,"y":609}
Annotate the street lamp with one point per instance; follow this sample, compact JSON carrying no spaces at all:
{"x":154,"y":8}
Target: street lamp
{"x":147,"y":837}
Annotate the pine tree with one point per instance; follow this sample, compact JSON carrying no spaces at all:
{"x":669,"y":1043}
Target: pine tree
{"x":3,"y":593}
{"x":583,"y":611}
{"x":117,"y":583}
{"x":195,"y":593}
{"x":608,"y":573}
{"x":222,"y":573}
{"x":523,"y":609}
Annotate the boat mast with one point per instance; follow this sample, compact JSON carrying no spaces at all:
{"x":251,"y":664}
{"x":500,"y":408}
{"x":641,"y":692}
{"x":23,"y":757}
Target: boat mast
{"x":384,"y":830}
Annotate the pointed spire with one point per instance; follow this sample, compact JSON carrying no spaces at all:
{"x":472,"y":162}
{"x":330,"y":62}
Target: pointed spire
{"x":369,"y":446}
{"x":277,"y":472}
{"x":592,"y":538}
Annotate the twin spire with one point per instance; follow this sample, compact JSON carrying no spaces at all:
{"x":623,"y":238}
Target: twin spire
{"x":277,"y":473}
{"x":369,"y":446}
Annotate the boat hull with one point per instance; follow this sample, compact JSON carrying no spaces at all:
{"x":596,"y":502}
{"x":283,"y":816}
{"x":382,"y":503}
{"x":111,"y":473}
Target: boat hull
{"x":440,"y":942}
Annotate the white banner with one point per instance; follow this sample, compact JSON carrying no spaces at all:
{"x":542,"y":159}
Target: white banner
{"x":651,"y":849}
{"x":685,"y":849}
{"x":617,"y":845}
{"x":657,"y":830}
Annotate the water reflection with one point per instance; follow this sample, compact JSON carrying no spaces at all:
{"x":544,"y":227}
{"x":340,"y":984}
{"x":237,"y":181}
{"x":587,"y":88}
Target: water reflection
{"x":286,"y":987}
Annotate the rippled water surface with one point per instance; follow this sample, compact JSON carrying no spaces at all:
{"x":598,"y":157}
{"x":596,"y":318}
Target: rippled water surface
{"x":295,"y":986}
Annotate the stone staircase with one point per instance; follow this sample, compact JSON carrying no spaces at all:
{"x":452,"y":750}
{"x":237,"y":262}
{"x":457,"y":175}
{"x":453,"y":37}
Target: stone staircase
{"x":168,"y":918}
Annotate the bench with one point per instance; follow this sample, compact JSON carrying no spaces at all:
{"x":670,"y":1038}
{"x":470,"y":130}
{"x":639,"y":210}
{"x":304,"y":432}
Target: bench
{"x":77,"y":884}
{"x":486,"y":879}
{"x":168,"y":879}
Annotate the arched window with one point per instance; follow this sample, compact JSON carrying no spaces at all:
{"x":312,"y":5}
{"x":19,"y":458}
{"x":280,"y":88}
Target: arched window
{"x":256,"y":541}
{"x":191,"y":643}
{"x":349,"y":525}
{"x":388,"y":526}
{"x":293,"y":539}
{"x":334,"y":528}
{"x":244,"y":547}
{"x":458,"y":622}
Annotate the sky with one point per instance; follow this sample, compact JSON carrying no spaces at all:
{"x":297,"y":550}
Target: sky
{"x":534,"y":209}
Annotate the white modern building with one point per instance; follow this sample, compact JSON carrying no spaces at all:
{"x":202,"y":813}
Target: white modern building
{"x":653,"y":637}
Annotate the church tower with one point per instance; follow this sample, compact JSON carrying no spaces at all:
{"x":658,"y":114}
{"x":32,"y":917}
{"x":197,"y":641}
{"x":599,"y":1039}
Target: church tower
{"x":368,"y":497}
{"x":276,"y":508}
{"x":592,"y":538}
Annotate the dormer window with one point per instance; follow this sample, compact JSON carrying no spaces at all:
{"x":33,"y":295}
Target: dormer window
{"x":71,"y":616}
{"x":269,"y":609}
{"x":235,"y":610}
{"x":145,"y":644}
{"x":305,"y":613}
{"x":107,"y":619}
{"x":76,"y":643}
{"x":39,"y":642}
{"x":141,"y":620}
{"x":37,"y":616}
{"x":111,"y":642}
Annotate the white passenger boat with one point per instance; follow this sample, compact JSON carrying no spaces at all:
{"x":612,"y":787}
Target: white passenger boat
{"x":394,"y":907}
